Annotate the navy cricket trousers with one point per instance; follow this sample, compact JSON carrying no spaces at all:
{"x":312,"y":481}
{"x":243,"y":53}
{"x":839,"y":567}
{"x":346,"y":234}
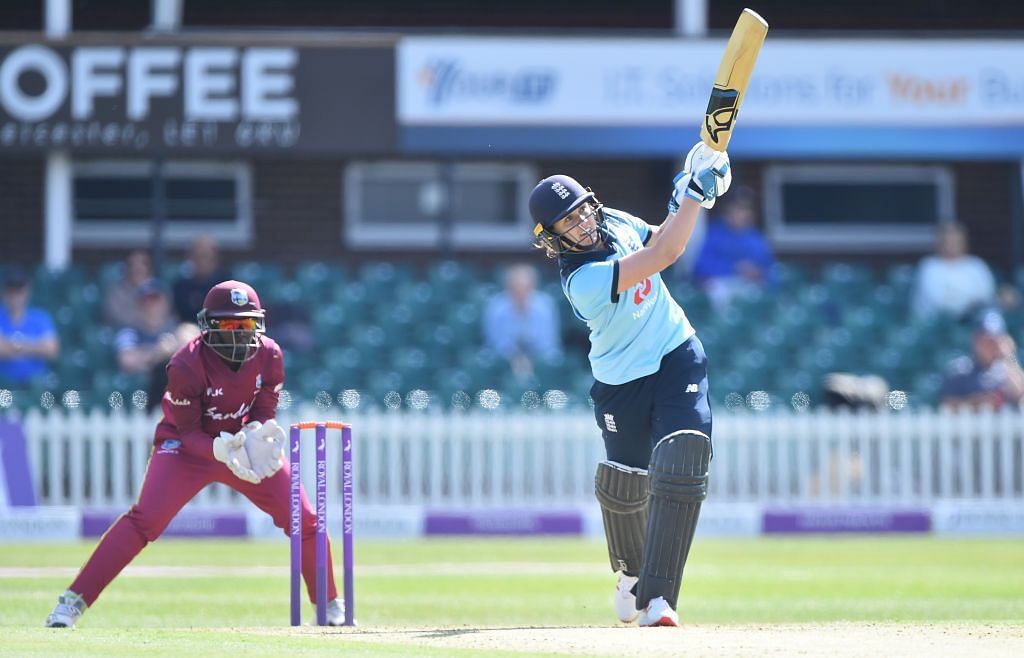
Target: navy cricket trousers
{"x":634,"y":416}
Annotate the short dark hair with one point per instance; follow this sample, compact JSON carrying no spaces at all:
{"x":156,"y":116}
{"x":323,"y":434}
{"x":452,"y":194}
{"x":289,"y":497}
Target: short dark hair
{"x":17,"y":277}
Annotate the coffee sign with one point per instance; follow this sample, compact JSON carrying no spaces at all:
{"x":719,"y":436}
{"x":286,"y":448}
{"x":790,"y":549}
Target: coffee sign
{"x":196,"y":97}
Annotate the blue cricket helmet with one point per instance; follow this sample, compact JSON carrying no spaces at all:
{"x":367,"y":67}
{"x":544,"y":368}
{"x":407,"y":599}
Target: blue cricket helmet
{"x":555,"y":197}
{"x":552,"y":199}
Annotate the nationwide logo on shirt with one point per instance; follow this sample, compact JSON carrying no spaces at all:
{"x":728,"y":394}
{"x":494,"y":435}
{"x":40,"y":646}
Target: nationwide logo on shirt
{"x":642,"y":290}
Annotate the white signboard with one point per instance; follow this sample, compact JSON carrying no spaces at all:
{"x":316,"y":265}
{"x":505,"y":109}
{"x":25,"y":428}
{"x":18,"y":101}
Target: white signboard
{"x":651,"y":82}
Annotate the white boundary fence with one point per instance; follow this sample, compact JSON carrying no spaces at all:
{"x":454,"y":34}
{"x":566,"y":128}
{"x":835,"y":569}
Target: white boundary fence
{"x":496,"y":459}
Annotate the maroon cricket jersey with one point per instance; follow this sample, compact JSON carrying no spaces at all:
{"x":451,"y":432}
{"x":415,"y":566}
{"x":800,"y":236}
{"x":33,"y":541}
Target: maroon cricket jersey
{"x":205,"y":396}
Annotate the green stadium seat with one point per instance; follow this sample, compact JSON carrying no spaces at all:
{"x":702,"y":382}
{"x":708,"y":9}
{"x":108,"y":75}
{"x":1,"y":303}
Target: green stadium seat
{"x":51,"y":288}
{"x":347,"y":293}
{"x":384,"y":274}
{"x":755,"y":304}
{"x":258,"y":274}
{"x":451,"y":280}
{"x":791,"y":276}
{"x":927,"y":388}
{"x":319,"y":275}
{"x":901,"y":278}
{"x":731,"y":381}
{"x":285,"y":291}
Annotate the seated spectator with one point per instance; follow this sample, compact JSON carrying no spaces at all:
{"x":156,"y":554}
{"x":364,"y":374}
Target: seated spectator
{"x":293,"y":329}
{"x":200,"y":272}
{"x":952,"y":282}
{"x":991,"y":377}
{"x":120,"y":306}
{"x":150,"y":344}
{"x":521,"y":324}
{"x":146,"y":348}
{"x":734,"y":256}
{"x":28,"y":339}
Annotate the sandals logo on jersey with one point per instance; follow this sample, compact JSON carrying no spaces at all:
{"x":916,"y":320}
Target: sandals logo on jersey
{"x":239,"y":297}
{"x":642,"y":290}
{"x":213,"y":413}
{"x":169,"y":446}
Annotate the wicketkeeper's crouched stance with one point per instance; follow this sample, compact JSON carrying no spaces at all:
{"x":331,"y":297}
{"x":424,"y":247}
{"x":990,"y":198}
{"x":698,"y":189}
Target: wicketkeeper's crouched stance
{"x":218,"y":426}
{"x":651,"y":389}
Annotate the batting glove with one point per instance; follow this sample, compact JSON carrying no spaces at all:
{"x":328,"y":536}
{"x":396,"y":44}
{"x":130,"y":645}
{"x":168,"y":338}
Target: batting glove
{"x":706,"y":175}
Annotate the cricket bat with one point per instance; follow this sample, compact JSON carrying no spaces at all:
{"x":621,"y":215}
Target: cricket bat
{"x":732,"y":78}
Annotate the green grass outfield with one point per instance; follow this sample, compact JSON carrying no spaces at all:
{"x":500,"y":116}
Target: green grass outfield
{"x":180,"y":596}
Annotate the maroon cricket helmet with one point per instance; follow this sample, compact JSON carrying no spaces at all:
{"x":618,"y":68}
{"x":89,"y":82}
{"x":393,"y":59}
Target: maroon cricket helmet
{"x":232,"y":299}
{"x":232,"y":321}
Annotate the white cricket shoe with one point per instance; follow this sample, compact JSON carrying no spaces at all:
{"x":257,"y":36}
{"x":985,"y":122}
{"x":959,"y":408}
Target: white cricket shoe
{"x":659,"y":613}
{"x":625,"y":601}
{"x":336,"y":612}
{"x":69,"y":608}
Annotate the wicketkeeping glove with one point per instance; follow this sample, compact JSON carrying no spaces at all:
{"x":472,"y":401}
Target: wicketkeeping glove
{"x":230,"y":449}
{"x":706,"y":175}
{"x":265,"y":446}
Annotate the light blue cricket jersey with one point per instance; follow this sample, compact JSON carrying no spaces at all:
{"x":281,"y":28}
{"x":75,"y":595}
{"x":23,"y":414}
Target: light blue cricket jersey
{"x":632,"y":331}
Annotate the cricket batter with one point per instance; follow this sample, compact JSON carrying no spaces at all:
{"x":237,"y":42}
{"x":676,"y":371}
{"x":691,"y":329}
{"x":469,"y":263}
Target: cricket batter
{"x":218,"y":426}
{"x":651,"y":389}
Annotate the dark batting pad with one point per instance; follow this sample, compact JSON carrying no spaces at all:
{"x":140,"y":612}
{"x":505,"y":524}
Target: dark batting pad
{"x":678,"y":484}
{"x":622,"y":493}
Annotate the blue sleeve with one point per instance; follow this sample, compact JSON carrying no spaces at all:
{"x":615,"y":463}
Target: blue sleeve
{"x":44,"y":327}
{"x":713,"y":261}
{"x":766,"y":259}
{"x":593,"y":286}
{"x":959,"y":380}
{"x":549,"y":334}
{"x":642,"y":228}
{"x":496,"y":337}
{"x":125,"y":339}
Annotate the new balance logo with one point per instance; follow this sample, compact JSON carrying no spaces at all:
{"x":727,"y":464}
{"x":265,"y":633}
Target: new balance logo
{"x":609,"y":423}
{"x":692,"y":388}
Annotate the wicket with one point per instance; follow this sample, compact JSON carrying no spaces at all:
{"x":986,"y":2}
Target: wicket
{"x":320,"y":505}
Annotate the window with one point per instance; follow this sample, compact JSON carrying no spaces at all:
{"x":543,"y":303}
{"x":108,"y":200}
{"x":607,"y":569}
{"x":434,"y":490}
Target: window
{"x":405,"y":204}
{"x":113,"y":202}
{"x":856,"y":207}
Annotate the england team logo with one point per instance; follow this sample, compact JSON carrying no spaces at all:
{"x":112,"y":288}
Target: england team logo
{"x":239,"y":297}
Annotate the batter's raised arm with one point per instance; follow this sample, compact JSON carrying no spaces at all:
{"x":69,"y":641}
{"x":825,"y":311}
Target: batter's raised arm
{"x":706,"y":175}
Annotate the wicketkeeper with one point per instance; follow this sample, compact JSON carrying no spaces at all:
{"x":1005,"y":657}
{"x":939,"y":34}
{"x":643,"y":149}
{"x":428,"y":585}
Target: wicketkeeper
{"x":218,"y":426}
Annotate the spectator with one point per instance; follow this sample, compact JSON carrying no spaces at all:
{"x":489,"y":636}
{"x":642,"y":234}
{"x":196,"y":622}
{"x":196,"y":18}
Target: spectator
{"x":293,"y":329}
{"x":991,"y":377}
{"x":521,"y":323}
{"x":121,"y":304}
{"x":735,"y":256}
{"x":28,"y":339}
{"x":152,"y":342}
{"x":201,"y":272}
{"x":952,"y":282}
